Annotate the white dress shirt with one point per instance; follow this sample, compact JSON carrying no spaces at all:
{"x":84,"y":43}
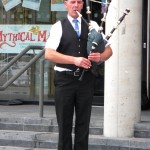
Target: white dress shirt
{"x":56,"y":33}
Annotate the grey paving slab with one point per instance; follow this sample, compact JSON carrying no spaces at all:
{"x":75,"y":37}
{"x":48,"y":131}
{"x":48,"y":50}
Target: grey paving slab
{"x":21,"y":148}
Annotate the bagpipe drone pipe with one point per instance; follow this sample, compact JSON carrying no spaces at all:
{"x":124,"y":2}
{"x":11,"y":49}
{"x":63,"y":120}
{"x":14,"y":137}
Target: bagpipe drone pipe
{"x":96,"y":39}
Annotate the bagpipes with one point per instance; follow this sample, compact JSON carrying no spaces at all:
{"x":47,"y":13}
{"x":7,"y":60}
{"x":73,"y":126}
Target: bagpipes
{"x":96,"y":42}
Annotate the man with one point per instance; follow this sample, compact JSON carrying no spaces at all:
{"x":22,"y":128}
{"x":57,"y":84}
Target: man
{"x":69,"y":52}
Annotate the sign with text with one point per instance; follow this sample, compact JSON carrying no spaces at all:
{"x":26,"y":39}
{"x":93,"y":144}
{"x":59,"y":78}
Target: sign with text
{"x":9,"y":4}
{"x":32,"y":4}
{"x":57,"y":5}
{"x":15,"y":38}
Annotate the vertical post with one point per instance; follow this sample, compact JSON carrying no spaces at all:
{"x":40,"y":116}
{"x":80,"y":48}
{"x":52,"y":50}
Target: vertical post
{"x":122,"y":92}
{"x":41,"y":88}
{"x":148,"y":46}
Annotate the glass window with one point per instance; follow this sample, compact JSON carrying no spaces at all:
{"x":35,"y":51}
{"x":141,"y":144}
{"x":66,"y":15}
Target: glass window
{"x":20,"y":27}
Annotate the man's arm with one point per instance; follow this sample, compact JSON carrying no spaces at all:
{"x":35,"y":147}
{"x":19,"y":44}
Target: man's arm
{"x":57,"y":57}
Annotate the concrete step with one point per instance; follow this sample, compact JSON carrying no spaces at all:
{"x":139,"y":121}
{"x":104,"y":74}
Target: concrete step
{"x":42,"y":133}
{"x":21,"y":148}
{"x":28,"y":139}
{"x":142,"y":129}
{"x":45,"y":140}
{"x":105,"y":143}
{"x":38,"y":124}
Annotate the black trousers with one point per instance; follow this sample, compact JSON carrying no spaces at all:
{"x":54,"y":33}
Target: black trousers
{"x":72,"y":95}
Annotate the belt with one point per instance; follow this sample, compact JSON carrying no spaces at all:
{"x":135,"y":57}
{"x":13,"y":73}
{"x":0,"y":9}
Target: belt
{"x":73,"y":73}
{"x":76,"y":73}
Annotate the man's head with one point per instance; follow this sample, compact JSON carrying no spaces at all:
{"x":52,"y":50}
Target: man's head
{"x":72,"y":6}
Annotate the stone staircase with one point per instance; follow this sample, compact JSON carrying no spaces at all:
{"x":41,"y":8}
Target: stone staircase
{"x":142,"y":130}
{"x":42,"y":134}
{"x":33,"y":133}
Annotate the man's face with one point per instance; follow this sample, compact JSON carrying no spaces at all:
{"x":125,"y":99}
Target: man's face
{"x":72,"y":6}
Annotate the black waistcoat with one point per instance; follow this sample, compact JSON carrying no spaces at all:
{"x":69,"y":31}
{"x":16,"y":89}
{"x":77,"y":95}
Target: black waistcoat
{"x":71,"y":44}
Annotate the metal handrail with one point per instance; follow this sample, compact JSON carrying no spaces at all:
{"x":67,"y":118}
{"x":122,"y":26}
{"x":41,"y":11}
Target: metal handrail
{"x":33,"y":60}
{"x":13,"y":78}
{"x":15,"y":59}
{"x":41,"y":88}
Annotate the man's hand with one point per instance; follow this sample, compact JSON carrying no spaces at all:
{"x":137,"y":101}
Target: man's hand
{"x":82,"y":62}
{"x":101,"y":57}
{"x":96,"y":57}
